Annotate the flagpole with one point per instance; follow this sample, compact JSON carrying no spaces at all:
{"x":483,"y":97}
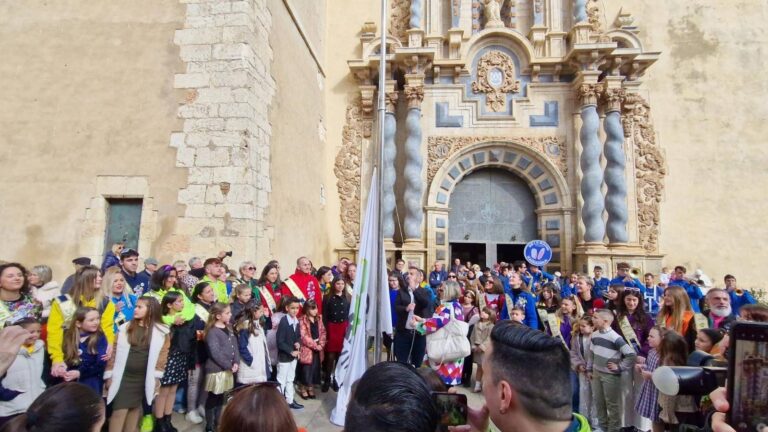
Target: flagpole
{"x":379,"y":270}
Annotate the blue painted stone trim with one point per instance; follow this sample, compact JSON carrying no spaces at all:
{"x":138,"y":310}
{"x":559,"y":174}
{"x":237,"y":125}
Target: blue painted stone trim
{"x":443,"y":119}
{"x":550,"y":118}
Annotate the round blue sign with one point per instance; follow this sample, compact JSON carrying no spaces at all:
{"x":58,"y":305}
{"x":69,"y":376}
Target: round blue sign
{"x":538,"y":252}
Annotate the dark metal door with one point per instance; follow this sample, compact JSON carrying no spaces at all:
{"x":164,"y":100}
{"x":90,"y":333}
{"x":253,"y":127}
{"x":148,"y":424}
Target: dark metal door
{"x":123,"y":222}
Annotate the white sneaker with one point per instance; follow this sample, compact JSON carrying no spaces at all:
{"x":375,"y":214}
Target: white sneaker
{"x":478,"y":387}
{"x":193,"y":417}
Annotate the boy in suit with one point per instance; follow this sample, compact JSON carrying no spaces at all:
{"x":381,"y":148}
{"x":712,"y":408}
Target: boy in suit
{"x":288,"y":344}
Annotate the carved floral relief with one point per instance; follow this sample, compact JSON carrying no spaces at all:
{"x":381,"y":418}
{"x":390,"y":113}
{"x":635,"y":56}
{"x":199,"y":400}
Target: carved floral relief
{"x":398,"y":22}
{"x":347,"y":170}
{"x":496,"y":78}
{"x":442,"y":148}
{"x":650,"y":168}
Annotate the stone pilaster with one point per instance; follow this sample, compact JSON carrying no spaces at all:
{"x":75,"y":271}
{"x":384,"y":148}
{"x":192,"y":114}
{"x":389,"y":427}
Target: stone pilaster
{"x":592,"y":173}
{"x":615,"y":175}
{"x":388,"y":163}
{"x":225,"y":141}
{"x":414,"y":186}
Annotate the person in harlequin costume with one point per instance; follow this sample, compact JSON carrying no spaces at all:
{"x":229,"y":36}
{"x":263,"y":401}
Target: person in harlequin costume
{"x":303,"y":285}
{"x":521,"y":298}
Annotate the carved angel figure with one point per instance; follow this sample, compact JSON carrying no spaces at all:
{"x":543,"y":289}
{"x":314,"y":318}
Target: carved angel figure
{"x":492,"y":13}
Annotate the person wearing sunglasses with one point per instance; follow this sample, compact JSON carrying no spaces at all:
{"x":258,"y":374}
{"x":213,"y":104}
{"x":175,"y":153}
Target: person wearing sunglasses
{"x":247,"y":272}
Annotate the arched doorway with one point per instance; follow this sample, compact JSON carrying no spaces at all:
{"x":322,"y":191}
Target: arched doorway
{"x":492,"y":216}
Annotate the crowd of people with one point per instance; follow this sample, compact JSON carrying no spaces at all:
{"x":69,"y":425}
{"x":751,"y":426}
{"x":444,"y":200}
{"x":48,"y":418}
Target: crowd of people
{"x":222,"y":345}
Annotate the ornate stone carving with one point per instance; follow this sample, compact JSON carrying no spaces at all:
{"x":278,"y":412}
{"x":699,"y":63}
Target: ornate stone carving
{"x":391,"y":101}
{"x":593,"y":12}
{"x":612,"y":99}
{"x":588,"y":93}
{"x":492,"y":13}
{"x":650,"y":168}
{"x":399,"y":21}
{"x":347,"y":170}
{"x":414,"y":94}
{"x":495,"y":78}
{"x":442,"y":148}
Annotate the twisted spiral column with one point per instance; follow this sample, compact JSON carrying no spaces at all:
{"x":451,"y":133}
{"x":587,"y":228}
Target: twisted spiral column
{"x":615,"y":177}
{"x":414,"y":186}
{"x":388,"y":167}
{"x":592,"y":173}
{"x":579,"y":11}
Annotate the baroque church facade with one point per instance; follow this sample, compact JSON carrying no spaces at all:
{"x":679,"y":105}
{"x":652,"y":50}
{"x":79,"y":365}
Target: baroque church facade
{"x":613,"y":130}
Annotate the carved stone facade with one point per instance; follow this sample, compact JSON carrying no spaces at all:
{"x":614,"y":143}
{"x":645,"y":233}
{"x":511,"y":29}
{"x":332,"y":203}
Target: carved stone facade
{"x":348,"y":170}
{"x":442,"y":148}
{"x":650,"y":168}
{"x":496,"y":78}
{"x":399,"y":20}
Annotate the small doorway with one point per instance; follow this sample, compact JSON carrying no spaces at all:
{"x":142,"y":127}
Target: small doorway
{"x":123,"y":223}
{"x":509,"y":253}
{"x":473,"y":252}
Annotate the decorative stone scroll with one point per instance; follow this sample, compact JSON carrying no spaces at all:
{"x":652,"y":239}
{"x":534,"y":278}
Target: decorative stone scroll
{"x":650,"y":168}
{"x":441,"y":148}
{"x":400,"y":17}
{"x":593,"y":14}
{"x":496,"y":78}
{"x":347,"y":170}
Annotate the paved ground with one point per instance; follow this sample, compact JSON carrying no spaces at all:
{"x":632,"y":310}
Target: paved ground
{"x":315,"y":416}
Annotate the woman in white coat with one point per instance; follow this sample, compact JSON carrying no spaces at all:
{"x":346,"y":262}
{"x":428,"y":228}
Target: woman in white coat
{"x":134,"y":372}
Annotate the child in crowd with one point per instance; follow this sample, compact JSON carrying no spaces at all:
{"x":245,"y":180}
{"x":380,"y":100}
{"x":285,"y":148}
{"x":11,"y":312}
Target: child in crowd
{"x":180,"y":357}
{"x":561,"y":323}
{"x":707,"y":340}
{"x":85,"y":349}
{"x":581,"y":344}
{"x":613,"y":295}
{"x":288,"y":345}
{"x":609,"y":356}
{"x":141,"y":353}
{"x":313,"y":339}
{"x":675,"y":410}
{"x":517,"y":315}
{"x":203,"y":298}
{"x":242,"y":296}
{"x":480,"y":341}
{"x":275,"y":318}
{"x":255,"y":364}
{"x":23,"y":381}
{"x":222,"y":363}
{"x":548,"y":299}
{"x":646,"y":403}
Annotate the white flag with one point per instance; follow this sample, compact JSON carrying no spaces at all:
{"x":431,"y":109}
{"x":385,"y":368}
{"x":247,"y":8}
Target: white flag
{"x":353,"y":360}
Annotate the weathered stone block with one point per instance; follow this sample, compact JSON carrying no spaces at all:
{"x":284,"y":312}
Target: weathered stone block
{"x":200,"y":175}
{"x":227,"y":174}
{"x":230,"y":51}
{"x":236,"y":110}
{"x":241,"y":194}
{"x":199,"y":211}
{"x":185,"y":157}
{"x":213,"y":195}
{"x":238,"y":78}
{"x":195,"y":52}
{"x":197,"y":36}
{"x":234,"y":19}
{"x":177,"y":139}
{"x":214,"y":95}
{"x":218,"y":156}
{"x":197,"y":125}
{"x":194,"y":111}
{"x":226,"y":139}
{"x":192,"y":194}
{"x":239,"y":34}
{"x":190,"y":80}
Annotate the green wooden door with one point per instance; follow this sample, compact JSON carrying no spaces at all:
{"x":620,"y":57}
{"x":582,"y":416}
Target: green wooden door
{"x":123,"y":222}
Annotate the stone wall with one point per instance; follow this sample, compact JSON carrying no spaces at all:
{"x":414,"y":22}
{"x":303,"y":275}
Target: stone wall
{"x":88,"y":108}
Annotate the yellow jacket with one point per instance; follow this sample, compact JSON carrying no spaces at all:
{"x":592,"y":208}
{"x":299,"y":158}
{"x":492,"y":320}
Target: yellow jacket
{"x":56,"y":325}
{"x":219,"y":288}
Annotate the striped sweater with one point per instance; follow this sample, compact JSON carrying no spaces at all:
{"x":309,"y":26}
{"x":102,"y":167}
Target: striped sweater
{"x":609,"y":346}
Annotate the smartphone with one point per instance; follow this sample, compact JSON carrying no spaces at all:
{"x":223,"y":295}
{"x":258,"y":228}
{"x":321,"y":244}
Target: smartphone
{"x":748,"y":377}
{"x":452,"y":408}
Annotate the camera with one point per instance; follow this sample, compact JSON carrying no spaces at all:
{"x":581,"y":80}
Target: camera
{"x":229,"y":254}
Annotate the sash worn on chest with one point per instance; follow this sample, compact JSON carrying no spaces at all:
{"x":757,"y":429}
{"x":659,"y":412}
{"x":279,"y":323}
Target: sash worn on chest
{"x":68,"y":309}
{"x":264,"y":291}
{"x":629,"y":333}
{"x":510,"y":304}
{"x":554,"y":328}
{"x":700,"y":321}
{"x":295,"y":290}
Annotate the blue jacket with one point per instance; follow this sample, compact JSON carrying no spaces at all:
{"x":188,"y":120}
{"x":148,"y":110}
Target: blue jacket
{"x":633,"y":283}
{"x":601,"y":287}
{"x":652,"y":298}
{"x":139,"y":282}
{"x":437,"y":277}
{"x":110,"y":260}
{"x":541,"y":275}
{"x":129,"y":305}
{"x":737,"y":301}
{"x":504,"y":281}
{"x":693,"y":291}
{"x":527,"y":302}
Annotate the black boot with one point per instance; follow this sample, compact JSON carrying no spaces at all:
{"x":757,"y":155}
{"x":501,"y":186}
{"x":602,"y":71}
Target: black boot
{"x":210,"y":419}
{"x":168,"y":425}
{"x":160,"y":425}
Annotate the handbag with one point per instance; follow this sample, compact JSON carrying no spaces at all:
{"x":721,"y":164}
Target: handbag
{"x":450,"y":342}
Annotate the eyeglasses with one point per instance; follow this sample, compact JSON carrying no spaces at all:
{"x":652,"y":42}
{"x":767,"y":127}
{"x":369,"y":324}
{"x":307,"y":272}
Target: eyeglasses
{"x":250,"y":268}
{"x":632,"y":289}
{"x":228,"y":395}
{"x":452,"y":276}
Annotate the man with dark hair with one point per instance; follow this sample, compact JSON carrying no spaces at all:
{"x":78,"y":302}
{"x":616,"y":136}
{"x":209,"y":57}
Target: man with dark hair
{"x":691,"y":288}
{"x":624,"y":278}
{"x":69,"y":282}
{"x":600,"y":283}
{"x":739,"y":297}
{"x":391,"y":396}
{"x":519,"y":396}
{"x":129,"y":264}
